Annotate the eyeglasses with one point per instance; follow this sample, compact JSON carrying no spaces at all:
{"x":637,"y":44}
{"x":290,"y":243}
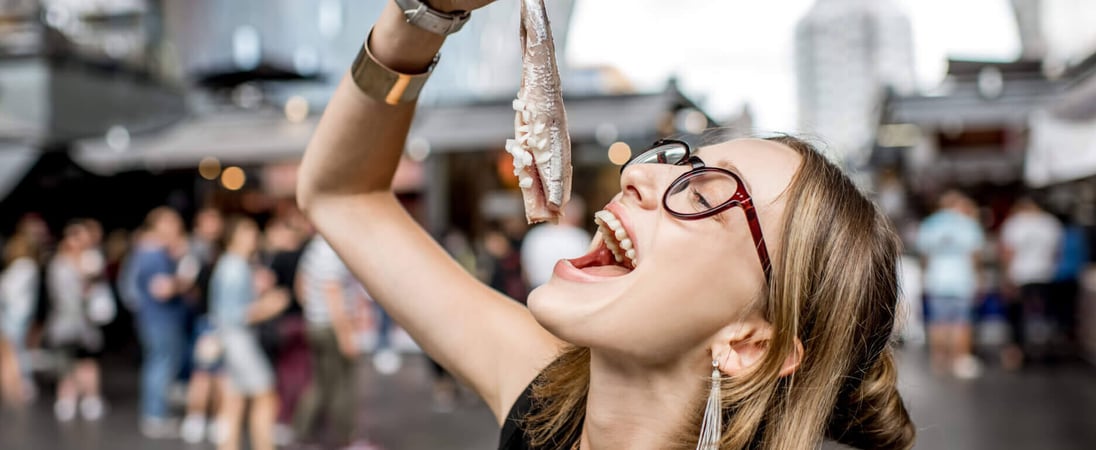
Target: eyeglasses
{"x":703,"y":191}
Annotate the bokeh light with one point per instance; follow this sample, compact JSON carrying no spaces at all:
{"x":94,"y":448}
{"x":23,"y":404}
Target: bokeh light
{"x":418,"y":149}
{"x":296,"y":109}
{"x":619,"y":153}
{"x":118,"y":138}
{"x":233,"y":178}
{"x":209,"y":168}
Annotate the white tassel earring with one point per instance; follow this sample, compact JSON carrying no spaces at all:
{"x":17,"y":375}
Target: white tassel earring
{"x":711,"y":429}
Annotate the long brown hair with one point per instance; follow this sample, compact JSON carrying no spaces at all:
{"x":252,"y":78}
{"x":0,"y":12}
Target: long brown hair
{"x":20,"y":246}
{"x":834,"y":287}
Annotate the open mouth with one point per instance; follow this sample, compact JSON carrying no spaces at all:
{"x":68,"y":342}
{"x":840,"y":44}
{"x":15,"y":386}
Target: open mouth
{"x":615,"y":255}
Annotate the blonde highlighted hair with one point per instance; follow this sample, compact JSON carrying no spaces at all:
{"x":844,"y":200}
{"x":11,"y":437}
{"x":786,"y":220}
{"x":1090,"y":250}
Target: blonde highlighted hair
{"x":834,"y":287}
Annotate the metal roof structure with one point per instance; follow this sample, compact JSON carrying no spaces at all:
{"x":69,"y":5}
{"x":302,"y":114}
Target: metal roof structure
{"x":248,"y":136}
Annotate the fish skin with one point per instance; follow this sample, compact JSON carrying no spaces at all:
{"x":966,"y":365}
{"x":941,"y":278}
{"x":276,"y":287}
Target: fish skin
{"x":543,"y":98}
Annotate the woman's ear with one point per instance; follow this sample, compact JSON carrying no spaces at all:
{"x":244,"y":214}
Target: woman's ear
{"x":791,"y":363}
{"x":739,"y":346}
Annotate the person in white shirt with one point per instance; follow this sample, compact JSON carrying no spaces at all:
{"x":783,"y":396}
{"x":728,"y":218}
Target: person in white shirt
{"x":330,"y":297}
{"x":547,"y":244}
{"x":1030,"y":239}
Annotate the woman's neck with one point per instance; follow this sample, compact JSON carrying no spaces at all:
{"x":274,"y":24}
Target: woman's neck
{"x":639,"y":407}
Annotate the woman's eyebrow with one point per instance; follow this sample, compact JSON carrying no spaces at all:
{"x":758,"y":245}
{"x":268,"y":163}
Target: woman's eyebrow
{"x":729,"y":166}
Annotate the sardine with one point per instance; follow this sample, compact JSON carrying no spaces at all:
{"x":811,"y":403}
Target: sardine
{"x":541,"y":146}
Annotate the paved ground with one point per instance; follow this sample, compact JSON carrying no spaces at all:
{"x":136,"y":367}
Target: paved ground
{"x":1040,"y":408}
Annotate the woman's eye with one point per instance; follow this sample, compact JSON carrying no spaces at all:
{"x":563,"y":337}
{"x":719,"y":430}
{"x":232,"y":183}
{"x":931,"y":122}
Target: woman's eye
{"x":701,"y":200}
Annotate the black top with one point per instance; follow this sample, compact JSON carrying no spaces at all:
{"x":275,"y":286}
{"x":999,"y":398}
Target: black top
{"x":284,"y":265}
{"x":513,"y":435}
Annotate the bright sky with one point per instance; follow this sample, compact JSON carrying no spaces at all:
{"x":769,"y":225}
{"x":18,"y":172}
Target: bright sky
{"x":726,"y":52}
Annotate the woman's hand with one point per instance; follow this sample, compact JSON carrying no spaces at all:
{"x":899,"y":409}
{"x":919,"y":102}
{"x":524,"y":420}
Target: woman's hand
{"x":347,"y":345}
{"x":264,"y":280}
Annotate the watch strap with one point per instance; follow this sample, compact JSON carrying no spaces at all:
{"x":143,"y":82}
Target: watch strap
{"x":384,"y":84}
{"x":418,"y":13}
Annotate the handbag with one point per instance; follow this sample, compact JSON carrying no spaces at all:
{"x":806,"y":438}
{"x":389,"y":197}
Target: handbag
{"x":102,"y":309}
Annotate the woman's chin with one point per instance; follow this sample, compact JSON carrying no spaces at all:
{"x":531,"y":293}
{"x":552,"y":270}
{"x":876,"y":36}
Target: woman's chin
{"x":568,"y":312}
{"x":556,"y":311}
{"x":541,"y":305}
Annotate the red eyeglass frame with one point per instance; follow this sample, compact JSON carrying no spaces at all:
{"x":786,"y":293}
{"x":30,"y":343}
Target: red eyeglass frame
{"x":741,"y":198}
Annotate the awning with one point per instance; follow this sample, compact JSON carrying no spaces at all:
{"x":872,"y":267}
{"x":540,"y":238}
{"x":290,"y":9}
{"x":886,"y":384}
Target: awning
{"x":238,"y":137}
{"x":965,"y":106}
{"x":1060,"y":150}
{"x":250,"y":137}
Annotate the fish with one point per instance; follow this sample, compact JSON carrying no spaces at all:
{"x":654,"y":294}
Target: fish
{"x":541,"y":147}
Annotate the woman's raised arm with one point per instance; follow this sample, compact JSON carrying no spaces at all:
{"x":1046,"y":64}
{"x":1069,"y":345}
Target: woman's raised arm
{"x":487,"y":340}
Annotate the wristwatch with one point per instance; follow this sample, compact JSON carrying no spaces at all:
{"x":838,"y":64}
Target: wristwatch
{"x":384,"y":84}
{"x":419,"y":14}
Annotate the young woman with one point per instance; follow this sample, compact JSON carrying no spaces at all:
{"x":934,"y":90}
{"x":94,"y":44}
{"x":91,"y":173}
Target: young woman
{"x":70,"y":330}
{"x":757,"y":257}
{"x":18,"y":299}
{"x":238,"y":298}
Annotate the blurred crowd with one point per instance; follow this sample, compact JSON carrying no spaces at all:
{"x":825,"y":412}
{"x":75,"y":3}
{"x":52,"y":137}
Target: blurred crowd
{"x":232,"y":316}
{"x":985,"y":288}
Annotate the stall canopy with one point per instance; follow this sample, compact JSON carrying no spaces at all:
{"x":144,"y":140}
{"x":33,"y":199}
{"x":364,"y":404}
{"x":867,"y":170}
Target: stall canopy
{"x":1063,"y":135}
{"x":1060,"y":150}
{"x":252,"y":137}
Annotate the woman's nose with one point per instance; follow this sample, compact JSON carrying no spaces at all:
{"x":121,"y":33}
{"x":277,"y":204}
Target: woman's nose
{"x":640,"y":184}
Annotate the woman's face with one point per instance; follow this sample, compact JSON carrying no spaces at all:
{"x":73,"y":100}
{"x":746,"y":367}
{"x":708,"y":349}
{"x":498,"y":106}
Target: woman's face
{"x":246,"y":238}
{"x":691,"y":277}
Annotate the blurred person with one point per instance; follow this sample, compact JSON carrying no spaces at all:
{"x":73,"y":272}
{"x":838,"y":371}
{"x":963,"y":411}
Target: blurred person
{"x":206,"y":236}
{"x":34,"y":227}
{"x":284,"y":339}
{"x":547,"y":243}
{"x":75,"y":336}
{"x":201,"y":366}
{"x":102,"y":307}
{"x":18,"y":299}
{"x":502,"y":263}
{"x":11,"y":383}
{"x":204,"y":387}
{"x":239,"y":297}
{"x":1073,"y":257}
{"x":158,"y":284}
{"x":1030,"y":241}
{"x":737,"y":299}
{"x":129,"y":293}
{"x":330,"y":295}
{"x":950,"y":240}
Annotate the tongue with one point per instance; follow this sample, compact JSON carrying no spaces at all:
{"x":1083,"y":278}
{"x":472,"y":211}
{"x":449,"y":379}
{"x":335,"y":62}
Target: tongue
{"x":599,"y":262}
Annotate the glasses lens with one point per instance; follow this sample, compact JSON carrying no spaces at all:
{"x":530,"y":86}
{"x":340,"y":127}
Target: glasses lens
{"x":671,"y":153}
{"x":700,"y":192}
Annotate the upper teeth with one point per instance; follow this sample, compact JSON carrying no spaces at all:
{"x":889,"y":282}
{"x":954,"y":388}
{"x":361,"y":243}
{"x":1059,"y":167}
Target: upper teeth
{"x":616,"y":238}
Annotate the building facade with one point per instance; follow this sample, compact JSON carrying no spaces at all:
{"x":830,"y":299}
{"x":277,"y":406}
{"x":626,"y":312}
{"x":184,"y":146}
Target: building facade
{"x":847,"y":53}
